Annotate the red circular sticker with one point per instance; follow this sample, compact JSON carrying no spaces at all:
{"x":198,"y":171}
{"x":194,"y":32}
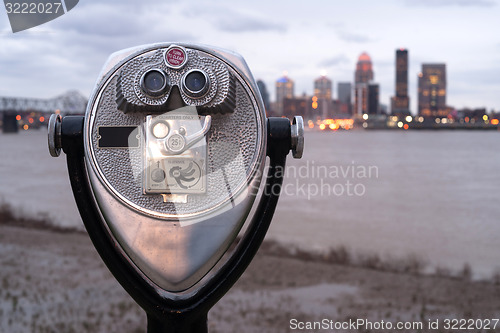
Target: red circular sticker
{"x":175,"y":56}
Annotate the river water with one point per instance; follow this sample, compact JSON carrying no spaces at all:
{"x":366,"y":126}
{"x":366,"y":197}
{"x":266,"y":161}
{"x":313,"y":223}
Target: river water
{"x":431,"y":194}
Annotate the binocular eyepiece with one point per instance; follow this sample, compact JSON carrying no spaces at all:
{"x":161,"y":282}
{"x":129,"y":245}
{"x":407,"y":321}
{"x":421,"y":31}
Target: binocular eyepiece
{"x":166,"y":166}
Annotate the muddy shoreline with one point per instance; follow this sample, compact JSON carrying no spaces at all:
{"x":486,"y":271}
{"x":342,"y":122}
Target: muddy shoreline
{"x":54,"y":281}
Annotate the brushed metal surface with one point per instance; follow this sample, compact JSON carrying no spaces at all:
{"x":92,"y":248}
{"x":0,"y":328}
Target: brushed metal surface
{"x":175,"y":244}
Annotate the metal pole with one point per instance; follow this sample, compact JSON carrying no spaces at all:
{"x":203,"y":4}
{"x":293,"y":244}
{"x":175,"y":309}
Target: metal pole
{"x":177,"y":324}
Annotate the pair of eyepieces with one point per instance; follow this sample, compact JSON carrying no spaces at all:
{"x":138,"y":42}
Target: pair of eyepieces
{"x":194,"y":83}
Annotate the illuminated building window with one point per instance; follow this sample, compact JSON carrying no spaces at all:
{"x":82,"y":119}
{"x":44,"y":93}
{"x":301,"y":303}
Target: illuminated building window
{"x":434,"y":79}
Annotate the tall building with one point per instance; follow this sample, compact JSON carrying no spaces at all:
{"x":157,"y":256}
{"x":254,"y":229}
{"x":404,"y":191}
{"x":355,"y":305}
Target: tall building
{"x":284,"y":89}
{"x":362,"y":76}
{"x":360,"y":98}
{"x":323,"y":97}
{"x":373,"y":99}
{"x":364,"y":69}
{"x":344,"y":96}
{"x":265,"y":95}
{"x":400,"y":103}
{"x":344,"y":92}
{"x":323,"y":88}
{"x":432,"y":91}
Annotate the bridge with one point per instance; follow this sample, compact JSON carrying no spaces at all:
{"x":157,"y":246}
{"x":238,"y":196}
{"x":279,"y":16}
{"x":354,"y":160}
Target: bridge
{"x":71,"y":102}
{"x":15,"y":104}
{"x":29,"y":113}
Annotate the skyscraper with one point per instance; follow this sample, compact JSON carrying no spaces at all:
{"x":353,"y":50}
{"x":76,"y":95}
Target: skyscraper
{"x":344,"y":96}
{"x":400,"y":103}
{"x":344,"y":92}
{"x":364,"y":69}
{"x":432,"y":91}
{"x":323,"y":96}
{"x":284,"y":89}
{"x":373,"y":98}
{"x":362,"y":76}
{"x":323,"y":88}
{"x":360,"y":98}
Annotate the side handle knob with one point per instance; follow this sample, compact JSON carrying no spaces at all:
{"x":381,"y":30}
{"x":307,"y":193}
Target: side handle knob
{"x":54,"y":132}
{"x":297,"y":130}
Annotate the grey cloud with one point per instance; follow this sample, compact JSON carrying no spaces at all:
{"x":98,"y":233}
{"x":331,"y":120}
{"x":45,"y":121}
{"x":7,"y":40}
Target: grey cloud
{"x":205,"y":11}
{"x":443,"y":3}
{"x":243,"y":23}
{"x":95,"y":31}
{"x":335,"y":60}
{"x":102,"y":20}
{"x":230,"y":20}
{"x":352,"y":37}
{"x":118,"y":3}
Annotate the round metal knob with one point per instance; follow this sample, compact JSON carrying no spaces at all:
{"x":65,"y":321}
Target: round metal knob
{"x":297,"y":129}
{"x":158,"y":175}
{"x":54,"y":135}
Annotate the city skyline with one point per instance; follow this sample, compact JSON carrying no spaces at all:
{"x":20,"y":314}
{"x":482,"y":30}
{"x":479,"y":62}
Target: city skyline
{"x":302,"y":38}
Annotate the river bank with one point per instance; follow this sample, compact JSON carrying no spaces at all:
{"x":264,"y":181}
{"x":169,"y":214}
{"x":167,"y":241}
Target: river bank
{"x":52,"y":280}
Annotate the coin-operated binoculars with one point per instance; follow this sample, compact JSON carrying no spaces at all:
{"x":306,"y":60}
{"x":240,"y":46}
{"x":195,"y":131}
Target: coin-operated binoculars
{"x":165,"y":168}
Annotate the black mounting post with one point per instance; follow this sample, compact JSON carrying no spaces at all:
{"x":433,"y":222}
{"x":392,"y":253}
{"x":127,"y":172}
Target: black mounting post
{"x":168,"y":315}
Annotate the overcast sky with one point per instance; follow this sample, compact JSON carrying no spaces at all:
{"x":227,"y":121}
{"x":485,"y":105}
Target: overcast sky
{"x":303,"y":38}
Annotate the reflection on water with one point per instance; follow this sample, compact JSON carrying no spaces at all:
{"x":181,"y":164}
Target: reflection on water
{"x":434,"y":194}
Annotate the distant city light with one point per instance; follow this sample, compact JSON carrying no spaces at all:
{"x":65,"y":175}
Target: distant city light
{"x":409,"y":119}
{"x":25,"y":127}
{"x":365,"y":116}
{"x":18,"y":117}
{"x":42,"y":119}
{"x":333,"y":124}
{"x":405,"y":126}
{"x":314,"y":102}
{"x":400,"y":124}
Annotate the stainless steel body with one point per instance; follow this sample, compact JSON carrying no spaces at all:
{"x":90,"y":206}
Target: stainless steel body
{"x":174,"y":229}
